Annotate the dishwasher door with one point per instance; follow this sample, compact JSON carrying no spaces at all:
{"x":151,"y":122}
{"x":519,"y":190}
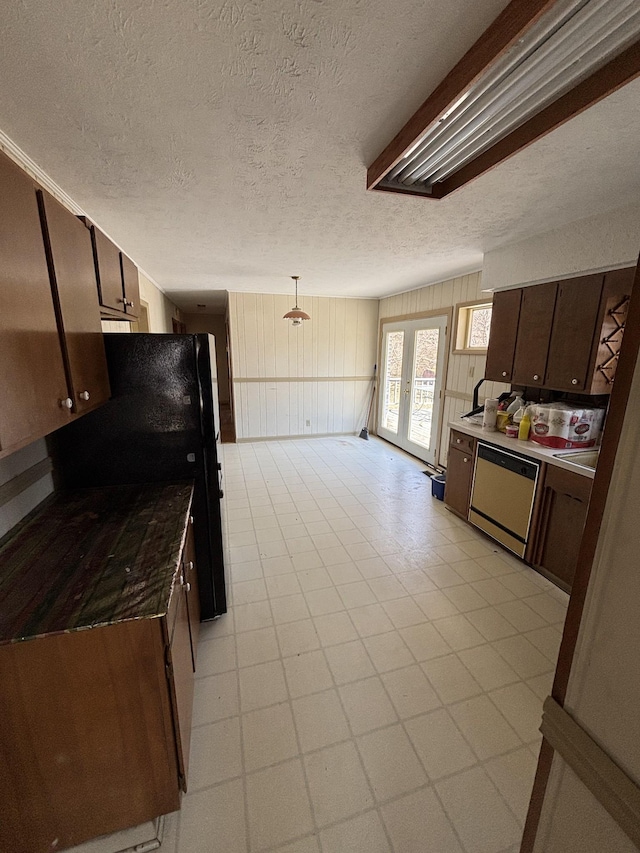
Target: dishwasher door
{"x":504,"y":486}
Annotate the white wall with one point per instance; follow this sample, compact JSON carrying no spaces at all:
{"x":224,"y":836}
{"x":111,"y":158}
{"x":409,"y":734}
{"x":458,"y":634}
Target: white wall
{"x":597,"y":243}
{"x":464,"y":370}
{"x":310,"y":380}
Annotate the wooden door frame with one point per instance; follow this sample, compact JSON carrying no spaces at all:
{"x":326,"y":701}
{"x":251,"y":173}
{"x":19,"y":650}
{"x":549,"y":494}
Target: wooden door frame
{"x":627,"y":364}
{"x":422,"y":315}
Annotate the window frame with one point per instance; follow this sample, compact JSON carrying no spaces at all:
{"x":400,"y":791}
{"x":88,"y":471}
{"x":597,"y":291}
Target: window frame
{"x":463,"y":314}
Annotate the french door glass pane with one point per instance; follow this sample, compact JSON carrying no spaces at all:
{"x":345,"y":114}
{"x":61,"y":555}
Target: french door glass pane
{"x":393,"y":375}
{"x":423,"y":380}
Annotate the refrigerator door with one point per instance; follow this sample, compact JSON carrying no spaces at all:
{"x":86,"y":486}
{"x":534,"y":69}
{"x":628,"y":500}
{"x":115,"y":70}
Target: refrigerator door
{"x":150,"y":429}
{"x":210,"y":427}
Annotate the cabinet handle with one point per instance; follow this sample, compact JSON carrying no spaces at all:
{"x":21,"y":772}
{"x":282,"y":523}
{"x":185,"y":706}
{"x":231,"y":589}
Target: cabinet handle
{"x":504,"y":372}
{"x":465,"y":458}
{"x":84,"y":395}
{"x":190,"y":565}
{"x":128,"y":303}
{"x":536,"y":377}
{"x":458,"y":441}
{"x":190,"y":519}
{"x":67,"y":403}
{"x":188,"y":587}
{"x":574,"y":381}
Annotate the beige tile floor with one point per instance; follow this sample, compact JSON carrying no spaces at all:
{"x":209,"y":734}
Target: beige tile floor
{"x":376,"y":686}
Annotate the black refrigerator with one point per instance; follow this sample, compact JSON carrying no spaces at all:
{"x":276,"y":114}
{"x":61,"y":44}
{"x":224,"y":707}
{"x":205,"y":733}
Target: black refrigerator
{"x":162,"y":423}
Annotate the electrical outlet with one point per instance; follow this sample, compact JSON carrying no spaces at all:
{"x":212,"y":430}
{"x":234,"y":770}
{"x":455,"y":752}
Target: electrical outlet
{"x":308,"y":423}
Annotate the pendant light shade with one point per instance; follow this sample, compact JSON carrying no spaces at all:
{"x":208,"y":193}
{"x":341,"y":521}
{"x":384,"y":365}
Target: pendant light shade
{"x":296,"y":315}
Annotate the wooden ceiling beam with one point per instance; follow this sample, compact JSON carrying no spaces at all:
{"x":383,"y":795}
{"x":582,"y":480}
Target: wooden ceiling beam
{"x":510,"y":25}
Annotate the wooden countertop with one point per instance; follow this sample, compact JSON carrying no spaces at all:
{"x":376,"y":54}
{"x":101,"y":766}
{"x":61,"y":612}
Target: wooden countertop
{"x":91,"y":557}
{"x":524,"y":448}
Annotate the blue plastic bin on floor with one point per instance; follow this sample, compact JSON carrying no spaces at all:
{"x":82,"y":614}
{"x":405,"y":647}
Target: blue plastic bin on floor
{"x":437,"y":486}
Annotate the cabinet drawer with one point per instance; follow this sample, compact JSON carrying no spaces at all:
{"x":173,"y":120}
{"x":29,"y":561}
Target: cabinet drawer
{"x":460,"y":441}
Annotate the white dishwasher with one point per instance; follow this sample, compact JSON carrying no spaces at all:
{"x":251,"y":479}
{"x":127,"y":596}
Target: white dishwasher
{"x":504,"y":486}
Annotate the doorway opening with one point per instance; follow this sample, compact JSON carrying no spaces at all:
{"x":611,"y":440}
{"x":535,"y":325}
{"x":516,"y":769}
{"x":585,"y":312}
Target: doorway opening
{"x":213,"y":318}
{"x":413,"y":366}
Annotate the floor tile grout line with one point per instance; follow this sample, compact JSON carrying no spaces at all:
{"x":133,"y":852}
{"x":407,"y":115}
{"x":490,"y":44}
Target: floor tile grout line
{"x":355,"y":743}
{"x":300,"y":756}
{"x":430,"y":783}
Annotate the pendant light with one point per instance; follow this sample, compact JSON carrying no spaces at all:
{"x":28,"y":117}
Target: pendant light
{"x":296,"y":315}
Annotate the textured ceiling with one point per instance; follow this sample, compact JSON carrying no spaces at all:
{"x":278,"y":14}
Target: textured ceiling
{"x":224,"y":145}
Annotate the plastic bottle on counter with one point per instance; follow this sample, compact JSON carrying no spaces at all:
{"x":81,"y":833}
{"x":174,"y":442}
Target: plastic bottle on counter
{"x":518,"y":416}
{"x":525,"y":426}
{"x":513,"y":407}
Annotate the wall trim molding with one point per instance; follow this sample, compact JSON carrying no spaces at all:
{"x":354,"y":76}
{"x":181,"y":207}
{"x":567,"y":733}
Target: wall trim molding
{"x":458,"y":395}
{"x":267,"y":379}
{"x":608,"y":783}
{"x":18,"y":484}
{"x":293,"y":437}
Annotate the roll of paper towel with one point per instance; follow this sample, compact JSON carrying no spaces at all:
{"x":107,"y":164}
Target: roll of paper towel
{"x":490,"y":414}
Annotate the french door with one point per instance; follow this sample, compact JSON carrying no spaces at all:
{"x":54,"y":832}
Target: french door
{"x":413,"y":361}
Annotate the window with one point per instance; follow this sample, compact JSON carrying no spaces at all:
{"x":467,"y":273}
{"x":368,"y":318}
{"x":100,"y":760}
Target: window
{"x":473,"y":323}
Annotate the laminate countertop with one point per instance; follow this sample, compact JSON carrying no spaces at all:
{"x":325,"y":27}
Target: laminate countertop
{"x":524,"y":448}
{"x":92,"y":557}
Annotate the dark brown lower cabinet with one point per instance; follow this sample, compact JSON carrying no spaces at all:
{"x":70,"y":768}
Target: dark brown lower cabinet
{"x":558,"y":532}
{"x":457,"y":491}
{"x":96,"y":727}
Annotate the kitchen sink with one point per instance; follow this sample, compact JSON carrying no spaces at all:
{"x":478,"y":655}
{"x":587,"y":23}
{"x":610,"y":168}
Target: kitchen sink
{"x":586,"y":458}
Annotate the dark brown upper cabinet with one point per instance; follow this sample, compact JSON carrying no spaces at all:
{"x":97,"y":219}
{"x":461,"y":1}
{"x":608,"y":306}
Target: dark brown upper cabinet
{"x":567,"y":334}
{"x":33,"y":383}
{"x":504,"y":329}
{"x":116,"y":277}
{"x":534,"y":330}
{"x":574,"y":325}
{"x":107,"y":271}
{"x":130,"y":285}
{"x":71,"y":270}
{"x":612,"y":315}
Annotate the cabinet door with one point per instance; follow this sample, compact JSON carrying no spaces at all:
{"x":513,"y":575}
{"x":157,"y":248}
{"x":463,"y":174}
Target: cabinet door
{"x":558,"y":534}
{"x":181,"y":680}
{"x":32,"y":381}
{"x":457,"y":489}
{"x":504,"y":330}
{"x":131,"y":286}
{"x":574,"y":325}
{"x":534,"y":330}
{"x":108,"y":272}
{"x":87,"y":743}
{"x":70,"y":257}
{"x":616,"y":291}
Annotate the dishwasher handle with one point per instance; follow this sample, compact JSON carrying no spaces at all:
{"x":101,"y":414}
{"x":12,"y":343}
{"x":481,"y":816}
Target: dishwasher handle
{"x":509,"y":461}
